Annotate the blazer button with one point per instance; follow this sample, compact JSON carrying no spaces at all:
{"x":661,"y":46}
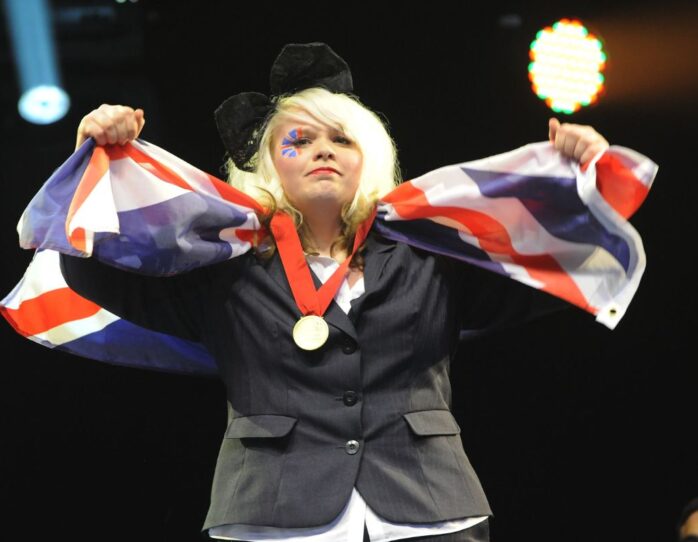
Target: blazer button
{"x":351,"y":447}
{"x":350,"y":398}
{"x":348,"y":346}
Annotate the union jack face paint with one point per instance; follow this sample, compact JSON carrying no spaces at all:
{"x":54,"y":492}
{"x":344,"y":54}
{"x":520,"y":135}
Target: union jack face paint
{"x":287,"y":148}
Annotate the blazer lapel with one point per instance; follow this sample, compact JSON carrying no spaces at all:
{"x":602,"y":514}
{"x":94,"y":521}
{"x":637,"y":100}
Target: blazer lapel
{"x":378,"y":252}
{"x":275,"y":269}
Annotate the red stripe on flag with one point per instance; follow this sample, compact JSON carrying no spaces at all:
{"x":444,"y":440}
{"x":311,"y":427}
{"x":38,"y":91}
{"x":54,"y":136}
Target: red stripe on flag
{"x":160,"y":170}
{"x":251,"y":236}
{"x":164,"y":173}
{"x":233,"y":195}
{"x":411,"y":203}
{"x":619,"y":186}
{"x":96,"y":168}
{"x":49,"y":310}
{"x":78,"y":239}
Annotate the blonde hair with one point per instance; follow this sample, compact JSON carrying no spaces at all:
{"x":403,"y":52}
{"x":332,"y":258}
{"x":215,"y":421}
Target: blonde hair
{"x":379,"y":175}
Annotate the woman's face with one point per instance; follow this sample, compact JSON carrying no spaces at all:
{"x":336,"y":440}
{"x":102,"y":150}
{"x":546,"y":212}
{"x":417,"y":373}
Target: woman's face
{"x":317,"y":165}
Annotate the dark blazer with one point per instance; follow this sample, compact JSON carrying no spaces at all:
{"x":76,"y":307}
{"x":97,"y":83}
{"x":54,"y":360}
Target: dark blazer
{"x":370,"y":409}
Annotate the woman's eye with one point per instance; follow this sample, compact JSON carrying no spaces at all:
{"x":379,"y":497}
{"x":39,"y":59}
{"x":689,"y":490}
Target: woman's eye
{"x":304,"y":140}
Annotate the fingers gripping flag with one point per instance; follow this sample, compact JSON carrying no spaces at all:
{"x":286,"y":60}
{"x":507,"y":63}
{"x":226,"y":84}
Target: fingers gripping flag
{"x":529,"y":214}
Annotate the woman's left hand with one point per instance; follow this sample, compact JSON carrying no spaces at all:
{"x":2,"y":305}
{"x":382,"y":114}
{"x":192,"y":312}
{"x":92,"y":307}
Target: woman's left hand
{"x":576,"y":141}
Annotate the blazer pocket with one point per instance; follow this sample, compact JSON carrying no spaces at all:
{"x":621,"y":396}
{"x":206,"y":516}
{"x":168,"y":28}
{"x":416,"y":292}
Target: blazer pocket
{"x":260,"y":426}
{"x":432,"y":422}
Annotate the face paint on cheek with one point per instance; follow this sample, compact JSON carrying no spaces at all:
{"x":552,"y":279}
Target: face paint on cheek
{"x":288,"y":141}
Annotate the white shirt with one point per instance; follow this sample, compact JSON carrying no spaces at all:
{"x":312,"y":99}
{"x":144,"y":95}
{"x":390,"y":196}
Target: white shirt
{"x":348,"y":526}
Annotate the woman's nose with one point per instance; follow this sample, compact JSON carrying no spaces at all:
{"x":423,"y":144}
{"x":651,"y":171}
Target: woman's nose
{"x":324,"y":150}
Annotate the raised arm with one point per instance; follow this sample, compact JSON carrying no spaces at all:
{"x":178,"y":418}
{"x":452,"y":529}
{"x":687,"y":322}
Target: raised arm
{"x":171,"y":305}
{"x":488,"y":300}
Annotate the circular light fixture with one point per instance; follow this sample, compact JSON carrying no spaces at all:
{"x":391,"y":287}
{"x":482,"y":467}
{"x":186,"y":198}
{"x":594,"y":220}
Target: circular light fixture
{"x":43,"y":104}
{"x":566,"y":66}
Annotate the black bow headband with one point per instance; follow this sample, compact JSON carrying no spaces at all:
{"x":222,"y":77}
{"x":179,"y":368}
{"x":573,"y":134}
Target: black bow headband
{"x":241,"y":117}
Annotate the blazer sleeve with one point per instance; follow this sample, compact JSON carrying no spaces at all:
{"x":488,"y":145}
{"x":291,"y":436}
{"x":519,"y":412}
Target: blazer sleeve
{"x":488,"y":301}
{"x":171,"y":305}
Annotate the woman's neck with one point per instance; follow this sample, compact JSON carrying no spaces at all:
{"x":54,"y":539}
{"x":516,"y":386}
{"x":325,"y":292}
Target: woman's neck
{"x":324,"y":232}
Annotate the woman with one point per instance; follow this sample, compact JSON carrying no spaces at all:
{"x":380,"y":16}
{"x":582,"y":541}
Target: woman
{"x":341,"y":432}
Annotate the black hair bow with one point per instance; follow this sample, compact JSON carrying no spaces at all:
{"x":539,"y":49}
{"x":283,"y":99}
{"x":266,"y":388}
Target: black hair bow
{"x":242,"y":117}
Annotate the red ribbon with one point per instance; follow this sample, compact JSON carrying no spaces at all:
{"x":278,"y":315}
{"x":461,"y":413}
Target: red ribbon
{"x":308,"y":299}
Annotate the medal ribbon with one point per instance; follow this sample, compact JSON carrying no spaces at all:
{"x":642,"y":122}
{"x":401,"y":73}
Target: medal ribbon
{"x":308,"y":299}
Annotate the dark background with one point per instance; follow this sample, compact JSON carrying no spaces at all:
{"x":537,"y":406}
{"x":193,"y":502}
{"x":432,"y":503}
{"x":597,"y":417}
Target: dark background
{"x":577,"y":432}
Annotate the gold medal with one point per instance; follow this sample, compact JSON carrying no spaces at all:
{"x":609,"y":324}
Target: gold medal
{"x":311,"y":332}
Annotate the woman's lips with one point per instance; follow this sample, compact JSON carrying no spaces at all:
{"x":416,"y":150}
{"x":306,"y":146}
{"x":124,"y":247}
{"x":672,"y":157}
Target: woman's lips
{"x":323,"y":170}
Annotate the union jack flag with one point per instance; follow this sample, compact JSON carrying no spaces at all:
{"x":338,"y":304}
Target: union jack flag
{"x":530,"y":214}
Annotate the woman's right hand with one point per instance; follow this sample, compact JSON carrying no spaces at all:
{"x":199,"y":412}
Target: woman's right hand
{"x":111,"y":124}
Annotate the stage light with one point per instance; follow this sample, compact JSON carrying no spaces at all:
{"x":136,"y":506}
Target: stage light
{"x":42,"y":100}
{"x":44,"y":104}
{"x":566,"y":66}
